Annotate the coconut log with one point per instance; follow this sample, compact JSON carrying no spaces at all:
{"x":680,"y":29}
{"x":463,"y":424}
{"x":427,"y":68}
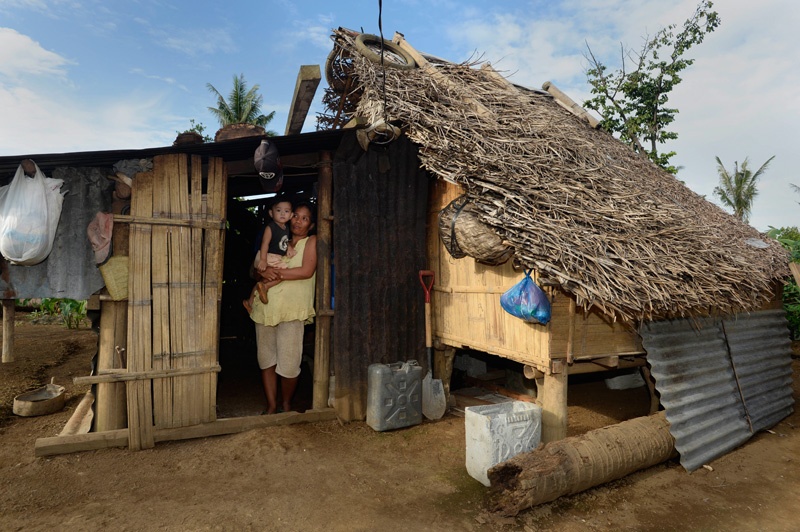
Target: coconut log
{"x":575,"y":464}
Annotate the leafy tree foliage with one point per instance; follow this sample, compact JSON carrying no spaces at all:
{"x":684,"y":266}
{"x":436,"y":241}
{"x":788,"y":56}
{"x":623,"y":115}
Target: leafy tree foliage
{"x":633,"y":99}
{"x":738,"y":189}
{"x":242,"y":106}
{"x":789,"y":237}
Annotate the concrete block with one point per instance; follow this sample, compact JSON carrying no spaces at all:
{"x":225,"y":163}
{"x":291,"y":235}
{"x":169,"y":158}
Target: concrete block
{"x":496,"y":433}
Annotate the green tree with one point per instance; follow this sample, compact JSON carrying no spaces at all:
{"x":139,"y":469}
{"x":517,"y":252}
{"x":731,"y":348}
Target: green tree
{"x":242,"y":106}
{"x":633,"y":99}
{"x":738,"y":189}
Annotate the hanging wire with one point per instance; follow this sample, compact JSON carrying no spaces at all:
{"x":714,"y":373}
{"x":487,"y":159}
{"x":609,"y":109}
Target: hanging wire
{"x":383,"y":66}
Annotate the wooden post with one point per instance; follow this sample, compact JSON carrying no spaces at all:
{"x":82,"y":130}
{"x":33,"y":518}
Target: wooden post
{"x":554,"y":402}
{"x":111,"y":404}
{"x":8,"y":330}
{"x":322,"y":342}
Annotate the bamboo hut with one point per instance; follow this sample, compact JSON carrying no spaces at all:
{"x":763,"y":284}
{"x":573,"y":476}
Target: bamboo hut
{"x":616,"y":242}
{"x":425,"y":165}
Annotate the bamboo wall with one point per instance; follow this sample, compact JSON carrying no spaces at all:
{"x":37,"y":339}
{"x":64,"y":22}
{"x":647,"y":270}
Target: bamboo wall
{"x":467,"y":311}
{"x":466,"y":299}
{"x":163,"y":348}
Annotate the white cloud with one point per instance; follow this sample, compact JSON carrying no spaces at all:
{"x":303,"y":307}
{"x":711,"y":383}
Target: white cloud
{"x":20,"y":56}
{"x":197,"y":41}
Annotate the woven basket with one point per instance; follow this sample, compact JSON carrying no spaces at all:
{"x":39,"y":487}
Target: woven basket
{"x":463,"y":234}
{"x":115,"y":275}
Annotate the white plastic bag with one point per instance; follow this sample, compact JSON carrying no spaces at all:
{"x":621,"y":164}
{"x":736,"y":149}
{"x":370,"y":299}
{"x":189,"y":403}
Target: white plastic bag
{"x":29,"y":211}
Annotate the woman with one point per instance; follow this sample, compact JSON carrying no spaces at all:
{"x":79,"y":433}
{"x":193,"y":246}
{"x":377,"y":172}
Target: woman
{"x":279,"y":323}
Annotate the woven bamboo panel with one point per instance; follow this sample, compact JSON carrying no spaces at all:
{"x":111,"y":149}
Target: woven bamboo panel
{"x":175,"y":292}
{"x":466,"y":299}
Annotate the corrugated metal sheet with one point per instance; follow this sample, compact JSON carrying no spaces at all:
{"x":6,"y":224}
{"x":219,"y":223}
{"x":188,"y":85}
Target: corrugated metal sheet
{"x":380,"y":201}
{"x":691,"y":364}
{"x":761,"y":352}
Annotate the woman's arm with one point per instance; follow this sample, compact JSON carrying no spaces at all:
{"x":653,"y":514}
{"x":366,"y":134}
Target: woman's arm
{"x":304,"y":271}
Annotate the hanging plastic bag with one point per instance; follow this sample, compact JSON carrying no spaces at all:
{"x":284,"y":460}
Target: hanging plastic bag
{"x":527,"y":301}
{"x":29,"y":211}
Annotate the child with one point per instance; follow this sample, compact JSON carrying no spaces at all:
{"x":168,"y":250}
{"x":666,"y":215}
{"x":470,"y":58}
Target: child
{"x":274,"y":247}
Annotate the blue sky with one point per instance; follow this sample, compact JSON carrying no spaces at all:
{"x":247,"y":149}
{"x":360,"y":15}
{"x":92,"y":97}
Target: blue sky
{"x":79,"y":75}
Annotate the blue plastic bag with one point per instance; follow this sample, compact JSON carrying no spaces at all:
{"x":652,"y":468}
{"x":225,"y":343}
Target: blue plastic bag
{"x":527,"y":301}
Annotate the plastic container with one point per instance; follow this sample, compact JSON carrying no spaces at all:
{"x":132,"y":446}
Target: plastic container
{"x":498,"y":432}
{"x":394,"y":395}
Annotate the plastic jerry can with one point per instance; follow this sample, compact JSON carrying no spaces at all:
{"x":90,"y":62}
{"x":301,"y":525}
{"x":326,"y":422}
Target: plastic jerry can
{"x":394,"y":395}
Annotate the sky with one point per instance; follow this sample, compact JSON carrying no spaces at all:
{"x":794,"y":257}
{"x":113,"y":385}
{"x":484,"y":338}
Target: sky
{"x":85,"y":75}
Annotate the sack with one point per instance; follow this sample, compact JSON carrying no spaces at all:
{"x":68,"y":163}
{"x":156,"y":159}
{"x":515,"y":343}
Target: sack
{"x":527,"y":301}
{"x":29,"y":211}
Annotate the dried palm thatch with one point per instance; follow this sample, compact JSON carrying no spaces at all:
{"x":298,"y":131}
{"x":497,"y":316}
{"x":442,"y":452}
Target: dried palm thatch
{"x":577,"y":205}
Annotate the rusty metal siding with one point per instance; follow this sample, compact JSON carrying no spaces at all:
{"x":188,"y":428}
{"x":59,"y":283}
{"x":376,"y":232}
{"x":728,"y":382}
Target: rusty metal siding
{"x":696,"y":364}
{"x":380,"y":206}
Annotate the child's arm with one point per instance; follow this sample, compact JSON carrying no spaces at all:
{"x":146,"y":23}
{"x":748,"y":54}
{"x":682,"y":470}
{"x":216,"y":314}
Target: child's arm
{"x":262,"y":263}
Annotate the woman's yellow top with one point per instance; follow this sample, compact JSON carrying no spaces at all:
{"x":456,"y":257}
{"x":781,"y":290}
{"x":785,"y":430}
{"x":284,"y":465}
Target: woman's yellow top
{"x":288,"y":300}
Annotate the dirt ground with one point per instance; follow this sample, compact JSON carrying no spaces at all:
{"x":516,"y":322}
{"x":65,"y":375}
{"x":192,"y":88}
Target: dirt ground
{"x":329,"y":476}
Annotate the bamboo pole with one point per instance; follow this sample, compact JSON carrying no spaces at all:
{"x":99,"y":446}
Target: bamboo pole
{"x":322,"y":343}
{"x":9,"y":313}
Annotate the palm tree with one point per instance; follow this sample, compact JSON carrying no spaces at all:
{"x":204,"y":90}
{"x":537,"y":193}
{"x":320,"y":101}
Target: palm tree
{"x":242,"y":106}
{"x":737,"y":190}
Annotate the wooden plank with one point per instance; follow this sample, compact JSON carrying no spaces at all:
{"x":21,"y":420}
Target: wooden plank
{"x":162,"y":350}
{"x":305,"y":87}
{"x":554,"y":406}
{"x":149,"y":375}
{"x":214,"y":245}
{"x":119,"y":438}
{"x":208,"y":355}
{"x":9,"y":312}
{"x":80,"y":422}
{"x":110,"y":406}
{"x":175,"y":181}
{"x":322,"y":339}
{"x":139,"y":354}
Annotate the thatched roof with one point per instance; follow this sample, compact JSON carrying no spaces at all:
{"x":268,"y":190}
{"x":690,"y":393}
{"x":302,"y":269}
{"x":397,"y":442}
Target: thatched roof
{"x":576,"y":204}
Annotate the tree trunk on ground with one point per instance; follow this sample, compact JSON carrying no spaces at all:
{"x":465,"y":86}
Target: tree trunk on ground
{"x":578,"y":463}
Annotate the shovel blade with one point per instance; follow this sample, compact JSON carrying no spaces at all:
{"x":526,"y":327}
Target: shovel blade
{"x":434,"y":402}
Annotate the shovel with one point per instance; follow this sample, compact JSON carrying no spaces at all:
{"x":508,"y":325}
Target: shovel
{"x":434,"y":403}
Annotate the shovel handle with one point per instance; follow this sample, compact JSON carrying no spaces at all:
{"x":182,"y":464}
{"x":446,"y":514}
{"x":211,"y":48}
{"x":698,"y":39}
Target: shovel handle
{"x":426,"y":280}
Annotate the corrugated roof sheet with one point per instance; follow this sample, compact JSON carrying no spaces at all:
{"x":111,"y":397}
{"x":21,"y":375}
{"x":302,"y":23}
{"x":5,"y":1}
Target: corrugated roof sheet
{"x":696,"y":364}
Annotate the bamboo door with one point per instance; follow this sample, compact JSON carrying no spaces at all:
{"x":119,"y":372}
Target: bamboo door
{"x":175,"y":283}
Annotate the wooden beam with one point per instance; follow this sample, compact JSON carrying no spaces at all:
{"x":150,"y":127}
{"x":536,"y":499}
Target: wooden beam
{"x":795,"y":267}
{"x":322,"y":342}
{"x":119,"y":438}
{"x":9,"y":313}
{"x":142,"y":375}
{"x":554,"y":405}
{"x":307,"y":82}
{"x":569,"y":104}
